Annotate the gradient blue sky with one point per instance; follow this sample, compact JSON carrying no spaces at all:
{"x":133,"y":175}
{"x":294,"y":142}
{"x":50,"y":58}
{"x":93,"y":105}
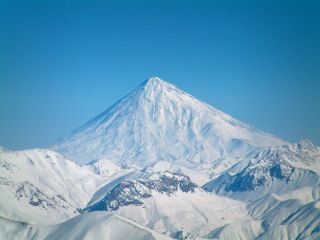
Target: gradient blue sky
{"x":63,"y":62}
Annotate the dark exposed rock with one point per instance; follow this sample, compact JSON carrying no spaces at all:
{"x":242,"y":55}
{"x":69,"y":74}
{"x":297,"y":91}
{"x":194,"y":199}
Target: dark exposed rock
{"x":245,"y":183}
{"x":167,"y":182}
{"x":127,"y":192}
{"x":131,"y":192}
{"x":253,"y":177}
{"x":35,"y":197}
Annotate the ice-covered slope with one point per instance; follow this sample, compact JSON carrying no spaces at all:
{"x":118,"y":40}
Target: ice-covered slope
{"x":281,"y":187}
{"x":158,"y":121}
{"x":41,"y":186}
{"x":274,"y":218}
{"x":170,"y":204}
{"x":89,"y":226}
{"x":277,"y":170}
{"x":198,"y":176}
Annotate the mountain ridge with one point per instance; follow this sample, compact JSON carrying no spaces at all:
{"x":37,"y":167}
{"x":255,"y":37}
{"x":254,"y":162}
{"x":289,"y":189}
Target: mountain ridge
{"x":158,"y":121}
{"x":254,"y":185}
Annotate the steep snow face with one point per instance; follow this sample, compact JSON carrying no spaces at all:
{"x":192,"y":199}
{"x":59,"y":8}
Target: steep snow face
{"x":158,"y":121}
{"x":128,"y":192}
{"x":24,"y":201}
{"x":303,"y":154}
{"x":131,"y":192}
{"x":281,"y":187}
{"x":278,"y":170}
{"x":41,"y":186}
{"x":274,"y":220}
{"x":170,"y":204}
{"x":198,"y":176}
{"x":95,"y":225}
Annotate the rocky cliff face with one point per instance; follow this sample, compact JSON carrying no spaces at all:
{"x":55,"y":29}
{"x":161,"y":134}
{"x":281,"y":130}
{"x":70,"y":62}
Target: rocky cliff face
{"x":131,"y":192}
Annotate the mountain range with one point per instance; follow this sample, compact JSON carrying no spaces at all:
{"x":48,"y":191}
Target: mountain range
{"x":158,"y":121}
{"x":160,"y":164}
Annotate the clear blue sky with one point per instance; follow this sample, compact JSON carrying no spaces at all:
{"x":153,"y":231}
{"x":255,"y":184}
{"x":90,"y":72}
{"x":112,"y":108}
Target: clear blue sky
{"x":63,"y":62}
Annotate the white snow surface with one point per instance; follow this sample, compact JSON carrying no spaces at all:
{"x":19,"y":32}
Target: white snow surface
{"x":103,"y":167}
{"x":41,"y":186}
{"x":159,"y":122}
{"x":136,"y":170}
{"x":281,"y":188}
{"x":196,"y":213}
{"x":198,"y":176}
{"x":192,"y":211}
{"x":89,"y":226}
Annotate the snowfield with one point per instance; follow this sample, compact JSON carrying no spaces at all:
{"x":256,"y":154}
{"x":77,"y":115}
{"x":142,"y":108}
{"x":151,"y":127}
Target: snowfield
{"x":160,"y":164}
{"x":89,"y":226}
{"x":41,"y":186}
{"x":282,"y":190}
{"x":158,"y":121}
{"x":169,"y":203}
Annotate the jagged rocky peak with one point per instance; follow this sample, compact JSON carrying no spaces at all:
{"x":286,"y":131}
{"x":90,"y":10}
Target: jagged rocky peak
{"x":35,"y":197}
{"x":273,"y":164}
{"x":252,"y":178}
{"x":283,"y":163}
{"x":131,"y":192}
{"x":305,"y":143}
{"x":168,"y":182}
{"x":308,"y":147}
{"x":127,"y":192}
{"x":303,"y":154}
{"x":27,"y":193}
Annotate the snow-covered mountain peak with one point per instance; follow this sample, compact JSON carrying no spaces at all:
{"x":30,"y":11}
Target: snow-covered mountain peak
{"x":168,"y":182}
{"x":303,"y":154}
{"x":156,"y":92}
{"x":153,"y":91}
{"x":305,"y":144}
{"x":159,"y":122}
{"x":103,"y":167}
{"x":171,"y":204}
{"x":131,"y":192}
{"x":154,"y":83}
{"x":287,"y":163}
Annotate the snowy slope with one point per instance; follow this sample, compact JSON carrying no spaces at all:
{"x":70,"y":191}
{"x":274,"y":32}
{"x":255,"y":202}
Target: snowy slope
{"x":256,"y":186}
{"x":158,"y":121}
{"x":275,"y":219}
{"x":278,"y":170}
{"x":198,"y":176}
{"x":170,"y":204}
{"x":103,"y":167}
{"x":281,"y":187}
{"x":301,"y":223}
{"x":42,"y":186}
{"x":97,"y":225}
